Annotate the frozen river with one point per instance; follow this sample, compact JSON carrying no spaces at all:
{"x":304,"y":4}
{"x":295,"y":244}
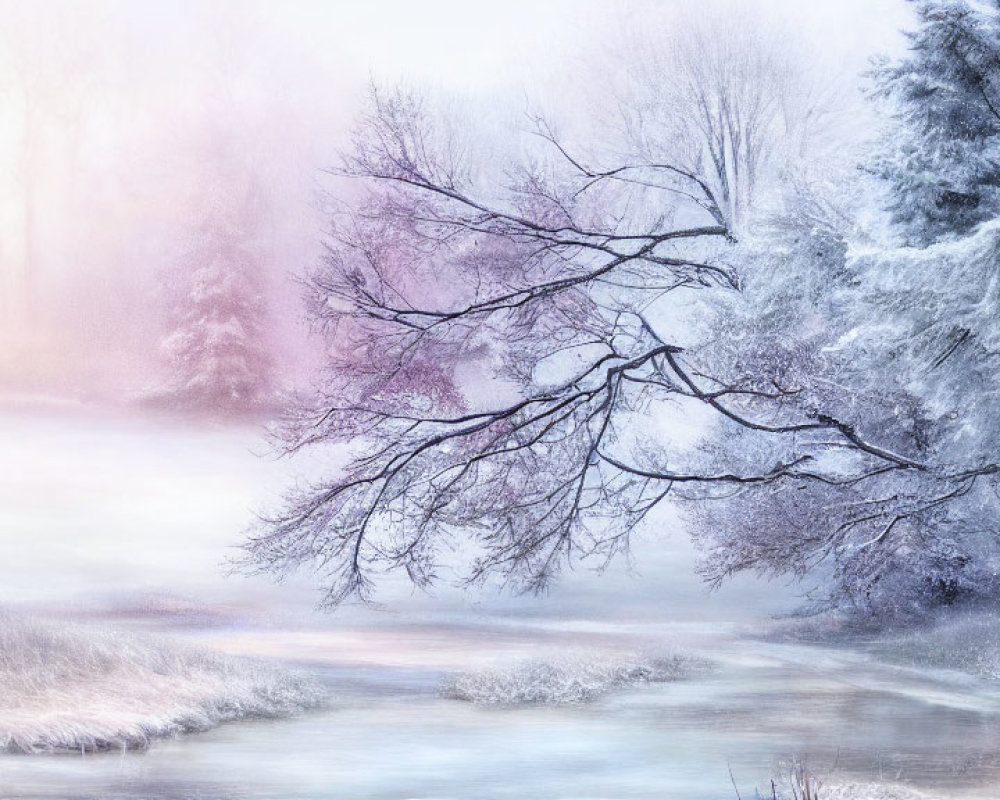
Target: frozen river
{"x":390,"y":734}
{"x":95,"y":512}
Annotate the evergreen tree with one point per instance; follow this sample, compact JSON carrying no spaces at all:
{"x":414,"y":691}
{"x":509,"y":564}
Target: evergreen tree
{"x":903,"y":341}
{"x":217,"y":350}
{"x":943,"y":159}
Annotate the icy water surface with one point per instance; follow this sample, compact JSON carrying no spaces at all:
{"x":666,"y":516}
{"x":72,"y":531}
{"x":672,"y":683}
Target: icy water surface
{"x":149,"y":508}
{"x":390,"y":734}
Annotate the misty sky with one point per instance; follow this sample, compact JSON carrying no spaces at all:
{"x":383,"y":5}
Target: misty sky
{"x":123,"y":122}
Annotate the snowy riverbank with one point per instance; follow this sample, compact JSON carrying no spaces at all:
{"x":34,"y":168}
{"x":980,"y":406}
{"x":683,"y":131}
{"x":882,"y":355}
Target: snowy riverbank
{"x":96,"y":690}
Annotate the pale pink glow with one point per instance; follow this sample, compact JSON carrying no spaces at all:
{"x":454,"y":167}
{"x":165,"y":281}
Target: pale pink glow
{"x":118,"y":117}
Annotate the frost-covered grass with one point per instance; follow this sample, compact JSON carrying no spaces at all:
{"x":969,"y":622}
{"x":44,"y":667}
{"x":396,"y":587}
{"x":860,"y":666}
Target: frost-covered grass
{"x":858,"y":791}
{"x":85,"y":690}
{"x":968,"y":642}
{"x":573,"y":679}
{"x":798,"y":782}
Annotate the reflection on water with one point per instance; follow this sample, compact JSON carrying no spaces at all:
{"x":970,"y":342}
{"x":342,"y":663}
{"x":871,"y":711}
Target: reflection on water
{"x":390,"y":734}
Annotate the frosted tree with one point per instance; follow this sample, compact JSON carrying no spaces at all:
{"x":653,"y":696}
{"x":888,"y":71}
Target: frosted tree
{"x":723,"y":101}
{"x":568,"y":277}
{"x":865,"y":336}
{"x":903,"y":339}
{"x":562,"y":283}
{"x":217,"y":349}
{"x":943,"y":159}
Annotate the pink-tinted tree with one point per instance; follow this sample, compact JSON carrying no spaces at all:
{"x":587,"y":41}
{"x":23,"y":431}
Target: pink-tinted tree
{"x":217,"y":349}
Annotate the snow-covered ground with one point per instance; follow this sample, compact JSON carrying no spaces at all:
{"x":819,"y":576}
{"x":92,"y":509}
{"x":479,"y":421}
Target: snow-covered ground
{"x":392,"y":730}
{"x":98,"y":506}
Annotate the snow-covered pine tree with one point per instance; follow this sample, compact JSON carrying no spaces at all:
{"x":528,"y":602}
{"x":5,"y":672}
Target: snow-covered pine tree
{"x":217,"y":349}
{"x":943,"y":158}
{"x":902,"y":340}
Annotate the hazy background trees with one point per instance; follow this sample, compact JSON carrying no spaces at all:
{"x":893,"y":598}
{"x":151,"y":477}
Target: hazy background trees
{"x":218,"y":345}
{"x":102,"y":142}
{"x":114,"y":155}
{"x":729,"y":98}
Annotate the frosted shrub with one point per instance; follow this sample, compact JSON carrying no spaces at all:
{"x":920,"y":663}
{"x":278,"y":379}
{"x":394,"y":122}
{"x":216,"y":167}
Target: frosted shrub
{"x":576,"y":680}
